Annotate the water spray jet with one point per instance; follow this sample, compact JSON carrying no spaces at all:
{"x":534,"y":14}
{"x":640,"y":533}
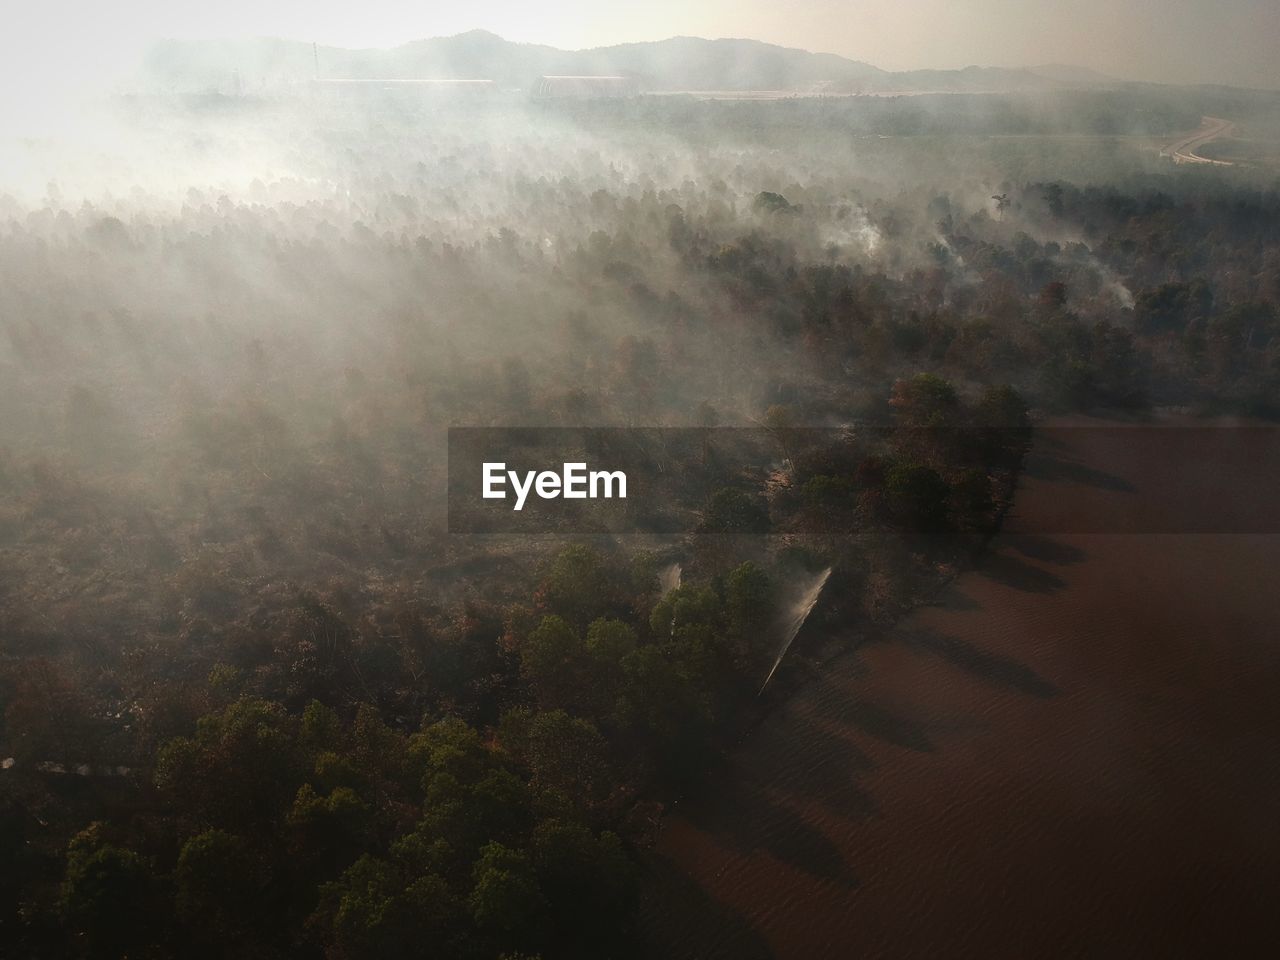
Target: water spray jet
{"x":796,"y":616}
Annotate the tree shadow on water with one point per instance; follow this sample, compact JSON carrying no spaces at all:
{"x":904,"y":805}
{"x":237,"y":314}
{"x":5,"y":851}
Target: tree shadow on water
{"x":748,"y":819}
{"x":953,"y":598}
{"x":992,"y":667}
{"x":1012,"y":572}
{"x":833,"y":767}
{"x":1071,"y":471}
{"x":678,"y":918}
{"x":892,"y":728}
{"x":1045,"y":549}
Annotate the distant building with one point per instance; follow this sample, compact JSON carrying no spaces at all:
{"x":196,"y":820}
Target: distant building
{"x":584,"y":88}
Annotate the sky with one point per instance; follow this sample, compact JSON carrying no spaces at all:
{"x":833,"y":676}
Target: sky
{"x":58,"y":42}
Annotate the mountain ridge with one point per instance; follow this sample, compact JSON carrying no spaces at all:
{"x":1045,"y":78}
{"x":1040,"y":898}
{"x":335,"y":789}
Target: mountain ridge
{"x":679,"y":63}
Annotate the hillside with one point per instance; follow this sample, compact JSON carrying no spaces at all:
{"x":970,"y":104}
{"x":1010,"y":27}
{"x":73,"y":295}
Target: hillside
{"x":678,"y":63}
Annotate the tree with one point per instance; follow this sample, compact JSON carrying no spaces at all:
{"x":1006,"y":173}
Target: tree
{"x":1053,"y":199}
{"x":107,"y":894}
{"x":452,"y":746}
{"x":609,"y":643}
{"x":924,"y":401}
{"x":554,"y":662}
{"x":48,"y":717}
{"x":566,"y":757}
{"x":579,"y":586}
{"x":748,"y":611}
{"x":1053,"y":295}
{"x":1172,"y":306}
{"x":768,"y":202}
{"x":971,"y":502}
{"x":240,"y":771}
{"x":588,"y":879}
{"x":780,"y":422}
{"x":1004,"y":425}
{"x":470,"y":795}
{"x":505,"y":897}
{"x":217,"y":885}
{"x":376,"y":911}
{"x":662,"y":707}
{"x":329,"y":832}
{"x":732,"y":511}
{"x":927,"y":409}
{"x":918,"y":497}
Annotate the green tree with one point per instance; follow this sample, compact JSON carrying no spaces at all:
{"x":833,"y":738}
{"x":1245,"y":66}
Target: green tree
{"x":1004,"y":425}
{"x":108,"y":895}
{"x":609,"y":643}
{"x":567,"y":759}
{"x":588,"y":879}
{"x":732,"y":511}
{"x":579,"y":586}
{"x":241,"y":769}
{"x":925,"y":401}
{"x":329,"y":832}
{"x":554,"y":662}
{"x":748,"y":611}
{"x":375,"y":911}
{"x":918,"y":497}
{"x":217,"y":885}
{"x":768,"y":202}
{"x":505,"y":899}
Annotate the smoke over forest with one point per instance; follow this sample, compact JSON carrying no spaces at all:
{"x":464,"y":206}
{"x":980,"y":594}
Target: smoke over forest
{"x":258,"y":700}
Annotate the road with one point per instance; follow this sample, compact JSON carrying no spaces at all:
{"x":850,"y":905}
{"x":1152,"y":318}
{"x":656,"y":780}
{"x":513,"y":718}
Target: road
{"x":1184,"y":150}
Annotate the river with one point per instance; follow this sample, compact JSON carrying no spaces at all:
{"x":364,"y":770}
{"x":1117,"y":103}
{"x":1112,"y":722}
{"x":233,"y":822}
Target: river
{"x":1075,"y":752}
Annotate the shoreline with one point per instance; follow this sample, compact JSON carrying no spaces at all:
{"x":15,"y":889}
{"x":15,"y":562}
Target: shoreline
{"x":867,"y":796}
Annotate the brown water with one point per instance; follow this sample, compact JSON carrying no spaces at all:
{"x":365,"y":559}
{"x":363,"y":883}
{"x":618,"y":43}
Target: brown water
{"x":1077,"y":753}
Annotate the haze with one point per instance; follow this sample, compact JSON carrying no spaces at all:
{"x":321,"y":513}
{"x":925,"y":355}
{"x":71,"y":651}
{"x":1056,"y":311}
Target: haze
{"x":60,"y":44}
{"x":922,"y":603}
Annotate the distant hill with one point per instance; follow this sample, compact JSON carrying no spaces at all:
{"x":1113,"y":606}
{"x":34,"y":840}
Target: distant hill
{"x":680,"y":63}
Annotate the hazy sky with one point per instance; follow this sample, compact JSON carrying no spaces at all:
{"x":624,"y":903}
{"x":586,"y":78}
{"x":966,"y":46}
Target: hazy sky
{"x":1225,"y":41}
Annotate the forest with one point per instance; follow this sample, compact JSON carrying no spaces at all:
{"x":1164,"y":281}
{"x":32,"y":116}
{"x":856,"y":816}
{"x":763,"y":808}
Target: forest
{"x":258,"y":701}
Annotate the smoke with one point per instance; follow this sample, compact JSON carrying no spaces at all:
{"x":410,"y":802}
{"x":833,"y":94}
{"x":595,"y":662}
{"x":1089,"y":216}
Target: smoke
{"x":854,"y":230}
